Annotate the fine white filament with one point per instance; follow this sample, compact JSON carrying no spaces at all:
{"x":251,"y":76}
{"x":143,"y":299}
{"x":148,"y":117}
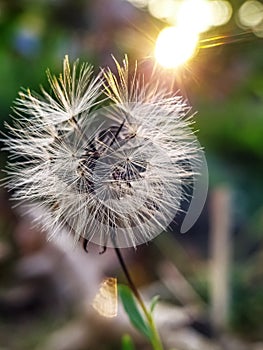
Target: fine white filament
{"x":111,"y":173}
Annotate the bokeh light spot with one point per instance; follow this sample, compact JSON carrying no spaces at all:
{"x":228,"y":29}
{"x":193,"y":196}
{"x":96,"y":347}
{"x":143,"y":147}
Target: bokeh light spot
{"x":174,"y":46}
{"x":139,"y":3}
{"x":199,"y":15}
{"x":250,"y":13}
{"x":258,"y":30}
{"x":165,"y":9}
{"x":195,"y":14}
{"x":221,"y":12}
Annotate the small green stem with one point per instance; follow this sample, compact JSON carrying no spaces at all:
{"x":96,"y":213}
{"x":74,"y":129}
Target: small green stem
{"x":155,"y":340}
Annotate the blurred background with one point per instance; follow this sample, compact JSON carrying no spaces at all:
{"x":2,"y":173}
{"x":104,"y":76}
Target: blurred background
{"x":209,"y":279}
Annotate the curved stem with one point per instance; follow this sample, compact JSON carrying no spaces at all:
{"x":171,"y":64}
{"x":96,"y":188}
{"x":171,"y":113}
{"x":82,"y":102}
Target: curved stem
{"x":156,"y":341}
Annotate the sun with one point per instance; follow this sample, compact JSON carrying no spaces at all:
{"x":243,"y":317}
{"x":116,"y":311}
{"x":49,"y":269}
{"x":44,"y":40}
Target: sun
{"x":175,"y":45}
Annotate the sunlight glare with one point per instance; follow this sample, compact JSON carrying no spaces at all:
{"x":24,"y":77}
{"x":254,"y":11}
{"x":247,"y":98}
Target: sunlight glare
{"x":174,"y":46}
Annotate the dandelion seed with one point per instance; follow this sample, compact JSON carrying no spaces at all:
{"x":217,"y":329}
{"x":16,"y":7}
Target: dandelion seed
{"x":110,"y":175}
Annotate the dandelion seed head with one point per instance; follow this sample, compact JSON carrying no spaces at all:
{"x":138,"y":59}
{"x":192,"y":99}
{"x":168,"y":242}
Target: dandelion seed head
{"x":112,"y":175}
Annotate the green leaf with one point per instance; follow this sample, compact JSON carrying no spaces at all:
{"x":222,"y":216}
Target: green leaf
{"x":127,"y":343}
{"x":132,"y":310}
{"x":154,"y":302}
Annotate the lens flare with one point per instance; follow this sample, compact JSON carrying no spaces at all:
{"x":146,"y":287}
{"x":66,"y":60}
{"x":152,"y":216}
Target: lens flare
{"x":174,"y":46}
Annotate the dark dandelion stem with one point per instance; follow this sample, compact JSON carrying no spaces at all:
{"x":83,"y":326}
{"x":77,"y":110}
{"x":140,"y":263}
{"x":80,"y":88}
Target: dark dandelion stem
{"x":155,"y":339}
{"x":129,"y":279}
